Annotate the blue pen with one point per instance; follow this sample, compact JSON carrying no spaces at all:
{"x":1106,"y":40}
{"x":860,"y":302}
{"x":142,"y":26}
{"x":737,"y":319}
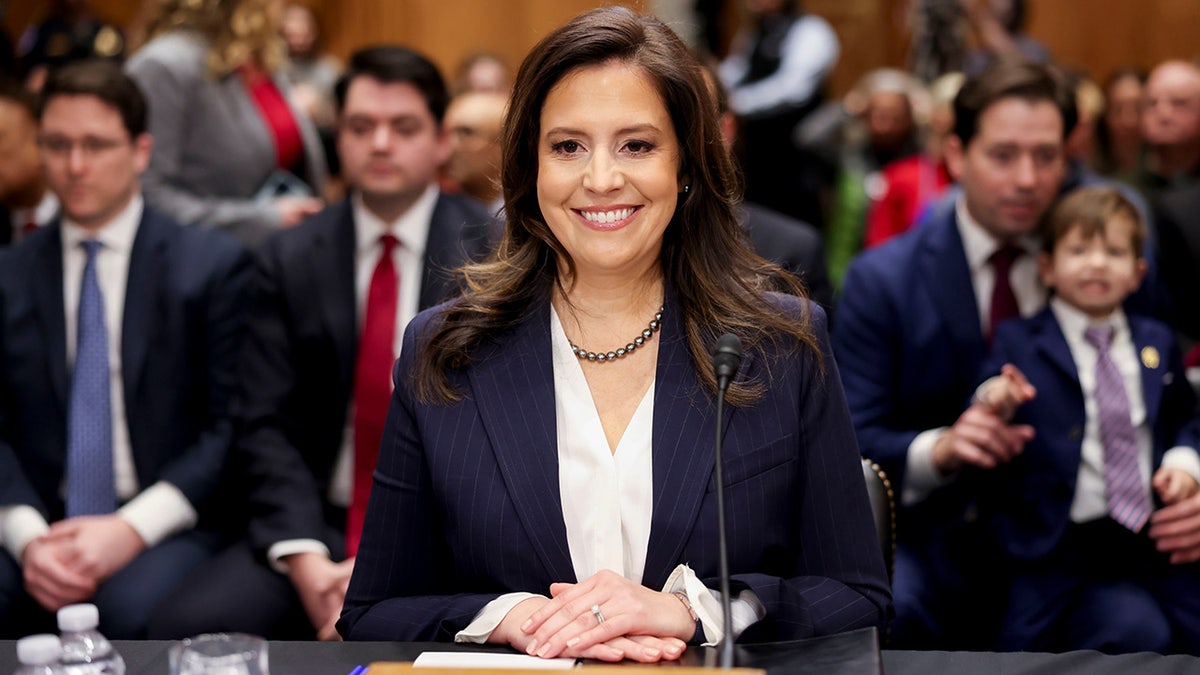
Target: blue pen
{"x":358,"y":670}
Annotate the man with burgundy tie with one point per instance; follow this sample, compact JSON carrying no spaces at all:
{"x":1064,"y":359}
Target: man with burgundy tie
{"x":331,"y":300}
{"x":119,"y":334}
{"x":1116,"y":434}
{"x":913,"y":329}
{"x":26,"y":203}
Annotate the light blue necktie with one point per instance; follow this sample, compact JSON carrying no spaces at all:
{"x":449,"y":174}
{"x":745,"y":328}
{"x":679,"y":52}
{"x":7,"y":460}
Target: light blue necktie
{"x":90,"y":488}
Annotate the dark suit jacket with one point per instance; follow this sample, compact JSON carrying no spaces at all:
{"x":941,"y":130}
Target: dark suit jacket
{"x":297,"y":371}
{"x":793,"y":245}
{"x":1032,"y":494}
{"x":910,"y":346}
{"x":466,"y":502}
{"x":180,"y":336}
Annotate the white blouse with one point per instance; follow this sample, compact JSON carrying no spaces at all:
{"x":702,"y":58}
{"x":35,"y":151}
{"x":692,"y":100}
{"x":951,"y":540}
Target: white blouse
{"x":607,"y":502}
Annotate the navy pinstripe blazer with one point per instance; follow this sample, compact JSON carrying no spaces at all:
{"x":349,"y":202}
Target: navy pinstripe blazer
{"x":466,"y":502}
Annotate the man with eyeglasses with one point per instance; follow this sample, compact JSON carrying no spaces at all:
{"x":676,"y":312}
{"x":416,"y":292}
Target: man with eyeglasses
{"x":119,"y":331}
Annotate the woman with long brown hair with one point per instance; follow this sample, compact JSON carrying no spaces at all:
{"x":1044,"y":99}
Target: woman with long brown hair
{"x":545,"y":477}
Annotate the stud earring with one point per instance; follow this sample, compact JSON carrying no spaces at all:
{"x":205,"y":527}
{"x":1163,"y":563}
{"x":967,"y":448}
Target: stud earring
{"x":687,"y":189}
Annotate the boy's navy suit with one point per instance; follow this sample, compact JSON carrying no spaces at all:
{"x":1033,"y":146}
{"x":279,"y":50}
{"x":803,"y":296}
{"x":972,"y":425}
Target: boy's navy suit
{"x":1028,"y":501}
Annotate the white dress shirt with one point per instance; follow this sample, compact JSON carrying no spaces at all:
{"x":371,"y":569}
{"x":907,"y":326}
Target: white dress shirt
{"x":412,"y":231}
{"x":978,"y":245}
{"x":608,"y":502}
{"x":161,"y":509}
{"x":1090,"y":500}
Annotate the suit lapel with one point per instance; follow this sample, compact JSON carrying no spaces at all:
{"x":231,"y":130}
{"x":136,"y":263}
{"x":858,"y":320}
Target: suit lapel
{"x":512,"y":384}
{"x":147,"y":275}
{"x":334,"y":278}
{"x":949,"y":280}
{"x":682,"y":446}
{"x":48,"y":290}
{"x":436,"y":244}
{"x":1052,"y":344}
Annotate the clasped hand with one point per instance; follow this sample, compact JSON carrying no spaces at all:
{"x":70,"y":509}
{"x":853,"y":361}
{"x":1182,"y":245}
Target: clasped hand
{"x":66,"y":564}
{"x":639,"y":623}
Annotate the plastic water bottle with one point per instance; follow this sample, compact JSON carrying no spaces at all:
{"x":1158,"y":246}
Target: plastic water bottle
{"x":84,"y":650}
{"x":39,"y":655}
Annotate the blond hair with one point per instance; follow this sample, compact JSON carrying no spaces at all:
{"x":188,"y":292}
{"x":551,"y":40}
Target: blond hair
{"x":239,"y":32}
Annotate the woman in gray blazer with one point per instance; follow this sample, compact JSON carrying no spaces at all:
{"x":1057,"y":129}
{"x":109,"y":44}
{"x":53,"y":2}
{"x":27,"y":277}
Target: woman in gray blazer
{"x":229,"y":151}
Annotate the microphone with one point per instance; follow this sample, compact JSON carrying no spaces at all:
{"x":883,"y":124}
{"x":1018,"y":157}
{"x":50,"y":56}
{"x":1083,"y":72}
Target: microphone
{"x":725,"y":364}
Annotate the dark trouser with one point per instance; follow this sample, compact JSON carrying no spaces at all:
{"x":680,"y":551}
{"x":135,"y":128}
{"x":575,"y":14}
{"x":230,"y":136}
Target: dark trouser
{"x":125,"y":601}
{"x":237,"y":591}
{"x":947,"y":593}
{"x":1104,"y":588}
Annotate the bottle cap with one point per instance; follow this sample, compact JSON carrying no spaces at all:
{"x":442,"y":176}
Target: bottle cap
{"x":39,"y":650}
{"x":78,"y":617}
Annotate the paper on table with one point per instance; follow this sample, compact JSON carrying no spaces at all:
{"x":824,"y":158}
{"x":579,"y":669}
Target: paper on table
{"x":479,"y":660}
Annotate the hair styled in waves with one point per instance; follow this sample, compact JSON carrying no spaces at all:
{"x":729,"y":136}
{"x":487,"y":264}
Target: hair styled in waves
{"x":706,"y":257}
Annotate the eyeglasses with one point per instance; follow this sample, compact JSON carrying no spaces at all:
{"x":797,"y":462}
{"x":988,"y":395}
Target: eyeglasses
{"x":91,"y":146}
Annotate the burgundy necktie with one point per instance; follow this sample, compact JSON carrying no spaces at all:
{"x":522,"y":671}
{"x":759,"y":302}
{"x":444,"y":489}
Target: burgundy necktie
{"x":29,"y":228}
{"x":1004,"y":301}
{"x":1128,"y":502}
{"x":372,"y":384}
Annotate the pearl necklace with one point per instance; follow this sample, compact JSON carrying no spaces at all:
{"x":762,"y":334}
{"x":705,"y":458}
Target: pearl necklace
{"x":602,"y":357}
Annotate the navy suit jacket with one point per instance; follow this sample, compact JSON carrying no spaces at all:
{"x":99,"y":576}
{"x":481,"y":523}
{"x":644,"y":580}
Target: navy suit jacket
{"x":909,"y":345}
{"x":180,"y":335}
{"x":466,"y":502}
{"x":1032,"y":494}
{"x":297,"y":372}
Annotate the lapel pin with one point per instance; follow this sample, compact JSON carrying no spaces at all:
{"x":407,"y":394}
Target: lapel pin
{"x":1150,"y":357}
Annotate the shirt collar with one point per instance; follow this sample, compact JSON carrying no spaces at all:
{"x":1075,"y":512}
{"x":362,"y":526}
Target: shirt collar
{"x":1074,"y":322}
{"x":411,"y":228}
{"x":116,"y":235}
{"x":978,"y":243}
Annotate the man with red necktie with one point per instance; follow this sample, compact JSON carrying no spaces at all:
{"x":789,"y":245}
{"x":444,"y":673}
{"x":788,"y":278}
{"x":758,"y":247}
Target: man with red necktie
{"x":916,"y":317}
{"x":330,"y":304}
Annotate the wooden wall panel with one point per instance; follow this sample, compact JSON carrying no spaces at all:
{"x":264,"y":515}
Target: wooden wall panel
{"x":1102,"y":35}
{"x":1098,"y":35}
{"x":447,"y":30}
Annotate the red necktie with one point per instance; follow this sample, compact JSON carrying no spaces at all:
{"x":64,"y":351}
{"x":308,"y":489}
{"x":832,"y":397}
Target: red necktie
{"x":1004,"y":301}
{"x":29,"y":228}
{"x":372,"y":384}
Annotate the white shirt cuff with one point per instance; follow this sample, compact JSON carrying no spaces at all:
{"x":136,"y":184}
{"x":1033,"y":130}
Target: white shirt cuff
{"x":1183,"y":458}
{"x":920,"y":476}
{"x":282,"y":549}
{"x":481,"y":627}
{"x":19,"y":525}
{"x":158,"y":512}
{"x":746,"y":607}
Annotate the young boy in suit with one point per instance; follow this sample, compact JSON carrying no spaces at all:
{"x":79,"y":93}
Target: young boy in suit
{"x":1115,"y":430}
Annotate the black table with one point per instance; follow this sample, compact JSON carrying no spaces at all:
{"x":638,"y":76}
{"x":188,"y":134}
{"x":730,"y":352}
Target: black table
{"x":849,"y":653}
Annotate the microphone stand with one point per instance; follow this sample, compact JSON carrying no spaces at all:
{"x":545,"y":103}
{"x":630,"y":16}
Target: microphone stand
{"x":725,"y":363}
